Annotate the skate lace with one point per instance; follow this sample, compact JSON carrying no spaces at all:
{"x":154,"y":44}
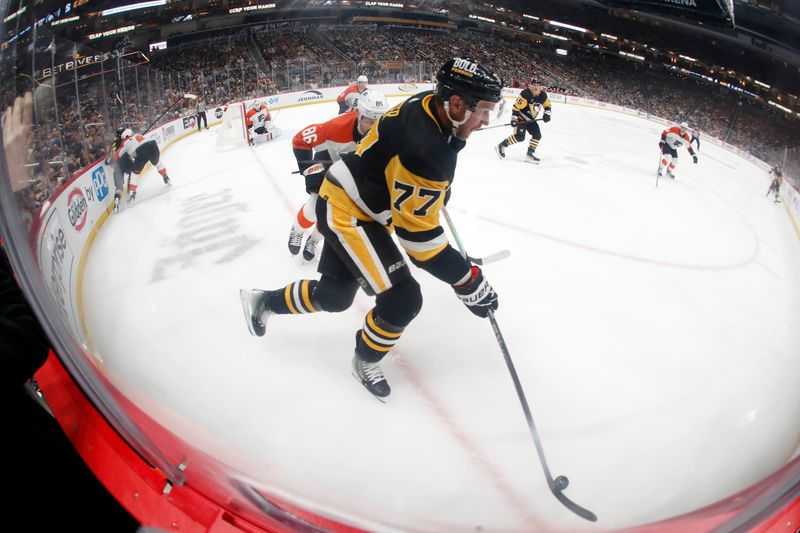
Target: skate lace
{"x":372,"y":372}
{"x":311,"y":244}
{"x":295,"y":239}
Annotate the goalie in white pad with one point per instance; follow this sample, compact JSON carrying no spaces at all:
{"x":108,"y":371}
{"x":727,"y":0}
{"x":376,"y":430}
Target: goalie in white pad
{"x":259,"y":124}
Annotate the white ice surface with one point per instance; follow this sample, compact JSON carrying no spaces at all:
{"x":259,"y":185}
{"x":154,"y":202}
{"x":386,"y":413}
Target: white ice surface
{"x":653,"y":329}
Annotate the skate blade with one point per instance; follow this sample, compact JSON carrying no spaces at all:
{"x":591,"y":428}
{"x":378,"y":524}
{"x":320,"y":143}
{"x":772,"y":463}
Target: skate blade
{"x":247,"y":311}
{"x":358,"y":379}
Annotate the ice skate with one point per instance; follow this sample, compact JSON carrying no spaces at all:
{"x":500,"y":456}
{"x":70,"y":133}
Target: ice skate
{"x":671,"y":174}
{"x":166,"y":180}
{"x":309,"y":250}
{"x":131,"y":198}
{"x":501,"y":150}
{"x":371,"y":376}
{"x":295,"y":240}
{"x":530,"y":158}
{"x":116,"y":204}
{"x":256,"y":312}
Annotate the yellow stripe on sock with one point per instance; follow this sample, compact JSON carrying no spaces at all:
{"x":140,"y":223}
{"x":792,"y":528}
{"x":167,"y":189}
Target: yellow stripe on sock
{"x":376,"y":347}
{"x":287,"y":294}
{"x":306,"y":296}
{"x":380,"y":330}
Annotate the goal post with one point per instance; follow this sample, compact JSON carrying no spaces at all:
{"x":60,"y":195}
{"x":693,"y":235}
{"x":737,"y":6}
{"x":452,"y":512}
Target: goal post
{"x":232,"y":132}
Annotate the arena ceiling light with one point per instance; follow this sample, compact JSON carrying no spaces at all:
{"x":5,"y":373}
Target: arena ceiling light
{"x":567,"y":26}
{"x":687,"y":58}
{"x":132,"y":7}
{"x":762,"y":84}
{"x":554,"y":36}
{"x":779,"y":106}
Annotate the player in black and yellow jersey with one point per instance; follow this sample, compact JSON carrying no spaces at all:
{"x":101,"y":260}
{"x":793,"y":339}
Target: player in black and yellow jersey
{"x":777,"y":178}
{"x":531,"y":101}
{"x":398,"y":177}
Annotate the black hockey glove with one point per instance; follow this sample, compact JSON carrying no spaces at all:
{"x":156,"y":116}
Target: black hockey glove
{"x":694,"y":158}
{"x":661,"y":145}
{"x":514,"y":121}
{"x":477,"y":294}
{"x":546,"y":117}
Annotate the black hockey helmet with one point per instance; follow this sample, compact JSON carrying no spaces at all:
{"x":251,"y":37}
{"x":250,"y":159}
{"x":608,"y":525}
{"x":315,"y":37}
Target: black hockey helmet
{"x":470,"y":80}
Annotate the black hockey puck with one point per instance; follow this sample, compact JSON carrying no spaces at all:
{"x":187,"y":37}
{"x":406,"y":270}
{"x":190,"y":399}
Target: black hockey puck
{"x":562,"y":482}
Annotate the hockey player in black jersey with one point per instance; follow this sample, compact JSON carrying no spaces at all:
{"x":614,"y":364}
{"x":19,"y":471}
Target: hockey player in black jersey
{"x":530,"y":102}
{"x":777,"y":178}
{"x":398,"y":177}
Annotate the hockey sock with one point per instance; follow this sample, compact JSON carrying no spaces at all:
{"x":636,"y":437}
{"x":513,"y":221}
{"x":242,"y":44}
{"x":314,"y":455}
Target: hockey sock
{"x":510,"y":140}
{"x":315,"y":235}
{"x":294,"y":299}
{"x":161,"y":168}
{"x":532,"y":145}
{"x":303,"y":222}
{"x":376,"y":338}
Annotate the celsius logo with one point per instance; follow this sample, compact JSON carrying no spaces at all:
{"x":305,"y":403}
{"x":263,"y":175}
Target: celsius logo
{"x":310,"y":95}
{"x":218,"y":112}
{"x":273,"y":100}
{"x":76,"y":209}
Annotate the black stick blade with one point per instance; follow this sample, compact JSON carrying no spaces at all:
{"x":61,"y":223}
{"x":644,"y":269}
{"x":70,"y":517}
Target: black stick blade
{"x":586,"y":514}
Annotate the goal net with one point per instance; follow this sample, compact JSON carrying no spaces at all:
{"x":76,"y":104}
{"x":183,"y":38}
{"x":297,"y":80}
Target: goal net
{"x":232,"y":133}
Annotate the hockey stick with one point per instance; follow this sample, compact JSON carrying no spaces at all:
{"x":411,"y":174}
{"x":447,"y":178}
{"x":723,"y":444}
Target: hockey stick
{"x":491,"y":258}
{"x":560,"y":483}
{"x":173,"y":104}
{"x":505,"y":124}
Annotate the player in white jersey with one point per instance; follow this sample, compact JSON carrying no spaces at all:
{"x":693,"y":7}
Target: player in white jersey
{"x":316,"y":147}
{"x":134,"y":153}
{"x":672,"y":139}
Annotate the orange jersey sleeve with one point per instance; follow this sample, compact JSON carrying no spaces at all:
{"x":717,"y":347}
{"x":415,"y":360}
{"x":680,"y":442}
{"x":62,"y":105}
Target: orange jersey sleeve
{"x":351,"y":89}
{"x":335,"y":136}
{"x":310,"y":136}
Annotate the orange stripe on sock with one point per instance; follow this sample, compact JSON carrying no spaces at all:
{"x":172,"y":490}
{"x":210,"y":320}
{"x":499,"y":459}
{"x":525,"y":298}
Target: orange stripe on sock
{"x":303,"y":221}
